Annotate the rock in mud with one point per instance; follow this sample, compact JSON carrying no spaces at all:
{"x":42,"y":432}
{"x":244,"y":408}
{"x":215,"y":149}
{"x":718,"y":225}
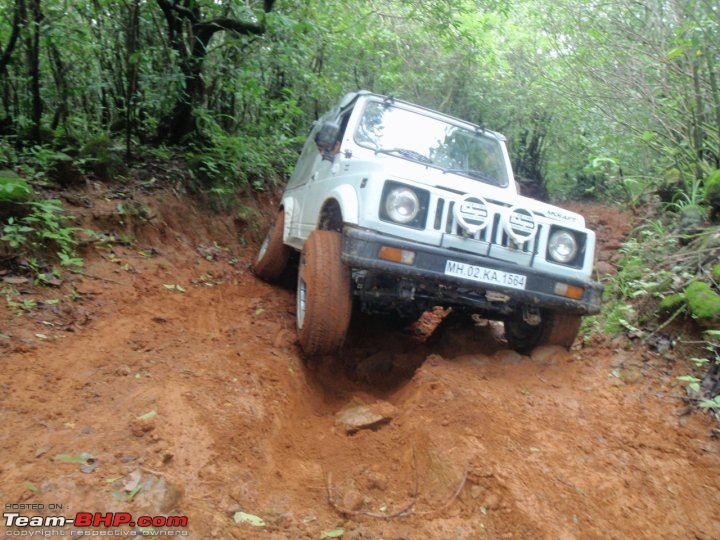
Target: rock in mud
{"x":549,"y":354}
{"x":508,"y":357}
{"x":604,"y":268}
{"x":356,"y":417}
{"x":158,"y":496}
{"x":353,"y":500}
{"x":631,"y":375}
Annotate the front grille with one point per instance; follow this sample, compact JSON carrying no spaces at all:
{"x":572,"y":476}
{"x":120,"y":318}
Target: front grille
{"x":494,"y":234}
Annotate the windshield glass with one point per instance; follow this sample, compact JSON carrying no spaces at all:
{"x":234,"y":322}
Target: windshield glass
{"x":393,"y":130}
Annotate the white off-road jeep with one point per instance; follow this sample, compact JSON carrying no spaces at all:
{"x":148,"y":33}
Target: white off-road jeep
{"x":404,"y":208}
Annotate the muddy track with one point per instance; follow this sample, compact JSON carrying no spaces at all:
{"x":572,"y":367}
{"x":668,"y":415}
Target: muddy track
{"x":475,"y":441}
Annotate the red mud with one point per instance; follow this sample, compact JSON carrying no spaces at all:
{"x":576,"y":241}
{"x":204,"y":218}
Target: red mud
{"x":481,"y":443}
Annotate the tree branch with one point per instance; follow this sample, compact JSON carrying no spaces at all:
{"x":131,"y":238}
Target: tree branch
{"x":7,"y":53}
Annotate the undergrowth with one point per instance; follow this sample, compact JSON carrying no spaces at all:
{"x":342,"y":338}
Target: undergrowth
{"x":661,"y":266}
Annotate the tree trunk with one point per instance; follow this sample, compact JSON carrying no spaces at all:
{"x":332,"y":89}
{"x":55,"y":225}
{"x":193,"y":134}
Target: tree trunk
{"x":131,"y":39}
{"x":58,"y":70}
{"x":33,"y":59}
{"x":191,"y":40}
{"x":7,"y":52}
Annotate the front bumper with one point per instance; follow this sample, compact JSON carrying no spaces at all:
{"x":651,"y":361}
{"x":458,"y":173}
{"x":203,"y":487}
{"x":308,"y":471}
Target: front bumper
{"x":360,"y":252}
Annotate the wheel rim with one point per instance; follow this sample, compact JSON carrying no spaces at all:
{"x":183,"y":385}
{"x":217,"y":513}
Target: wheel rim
{"x":301,"y":302}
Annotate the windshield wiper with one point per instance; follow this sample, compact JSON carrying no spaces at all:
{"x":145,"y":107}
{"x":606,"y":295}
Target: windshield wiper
{"x":475,"y":174}
{"x":405,"y":152}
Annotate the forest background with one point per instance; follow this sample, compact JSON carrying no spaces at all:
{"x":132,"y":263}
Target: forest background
{"x":604,"y":100}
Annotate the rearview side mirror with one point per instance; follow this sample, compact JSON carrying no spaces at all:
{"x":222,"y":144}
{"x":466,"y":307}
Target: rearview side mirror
{"x":327,"y":136}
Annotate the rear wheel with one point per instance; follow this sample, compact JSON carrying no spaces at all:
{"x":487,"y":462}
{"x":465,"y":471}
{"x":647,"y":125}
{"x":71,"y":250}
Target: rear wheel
{"x":324,"y":295}
{"x":555,"y":329}
{"x":273,"y":255}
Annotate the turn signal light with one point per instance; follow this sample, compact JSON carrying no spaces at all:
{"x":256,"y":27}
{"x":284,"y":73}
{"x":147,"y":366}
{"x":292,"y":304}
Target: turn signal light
{"x":569,"y":291}
{"x":402,"y":256}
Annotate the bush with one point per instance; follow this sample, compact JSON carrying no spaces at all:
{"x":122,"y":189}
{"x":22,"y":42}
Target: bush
{"x":704,"y":303}
{"x":100,"y":158}
{"x":712,"y":192}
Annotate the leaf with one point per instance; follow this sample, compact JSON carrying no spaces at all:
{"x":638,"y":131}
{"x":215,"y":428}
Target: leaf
{"x":130,"y":495}
{"x":674,"y":53}
{"x":334,"y":533}
{"x":31,"y":487}
{"x":131,"y":481}
{"x":242,"y":517}
{"x":66,"y":458}
{"x":13,"y":280}
{"x":148,"y":415}
{"x":173,"y":287}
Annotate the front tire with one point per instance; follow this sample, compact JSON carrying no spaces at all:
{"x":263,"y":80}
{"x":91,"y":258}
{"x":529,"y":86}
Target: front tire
{"x":324,"y":295}
{"x":555,"y":329}
{"x":273,"y":254}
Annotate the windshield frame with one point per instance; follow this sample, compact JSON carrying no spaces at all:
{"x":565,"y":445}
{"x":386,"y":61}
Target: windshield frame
{"x":464,"y":128}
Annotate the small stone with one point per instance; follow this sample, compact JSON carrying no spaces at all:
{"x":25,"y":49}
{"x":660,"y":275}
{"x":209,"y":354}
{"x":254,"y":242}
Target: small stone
{"x":476,"y":491}
{"x":139,"y":428}
{"x":631,"y":375}
{"x":372,"y":416}
{"x":353,"y":500}
{"x":605,"y":268}
{"x":491,"y":502}
{"x":123,"y":371}
{"x":377,"y":481}
{"x":549,"y":354}
{"x":508,"y":357}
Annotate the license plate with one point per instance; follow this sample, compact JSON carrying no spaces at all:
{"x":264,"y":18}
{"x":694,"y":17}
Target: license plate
{"x":485,"y":275}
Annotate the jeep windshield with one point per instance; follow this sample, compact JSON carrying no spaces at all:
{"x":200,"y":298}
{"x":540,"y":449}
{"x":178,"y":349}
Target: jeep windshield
{"x":393,"y":130}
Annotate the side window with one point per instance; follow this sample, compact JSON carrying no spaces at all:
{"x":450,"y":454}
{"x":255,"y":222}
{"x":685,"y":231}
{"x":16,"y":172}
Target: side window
{"x":343,"y":120}
{"x":301,"y":174}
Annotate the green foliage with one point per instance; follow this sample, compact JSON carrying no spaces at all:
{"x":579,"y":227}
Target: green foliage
{"x":704,"y":302}
{"x":99,"y":157}
{"x":589,"y":110}
{"x":45,"y":227}
{"x":693,"y":383}
{"x":716,"y":273}
{"x":13,"y":188}
{"x":712,"y":191}
{"x":672,"y":302}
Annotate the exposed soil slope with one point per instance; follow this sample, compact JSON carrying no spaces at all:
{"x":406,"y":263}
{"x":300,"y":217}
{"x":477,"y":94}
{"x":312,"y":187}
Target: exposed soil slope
{"x":474,"y":441}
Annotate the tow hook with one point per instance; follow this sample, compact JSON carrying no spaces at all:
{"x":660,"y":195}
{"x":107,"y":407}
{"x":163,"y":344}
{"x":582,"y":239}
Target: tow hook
{"x":531,"y":315}
{"x":406,"y":290}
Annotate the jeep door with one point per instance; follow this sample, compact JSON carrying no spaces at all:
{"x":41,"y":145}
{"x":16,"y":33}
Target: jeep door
{"x":320,"y":181}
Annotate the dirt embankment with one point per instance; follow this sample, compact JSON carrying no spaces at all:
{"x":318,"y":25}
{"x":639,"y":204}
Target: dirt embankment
{"x":179,"y":373}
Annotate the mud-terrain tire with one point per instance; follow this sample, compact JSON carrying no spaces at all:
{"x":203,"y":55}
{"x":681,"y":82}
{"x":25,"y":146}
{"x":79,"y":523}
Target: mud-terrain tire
{"x":273,"y":255}
{"x":324,"y":295}
{"x":555,"y":329}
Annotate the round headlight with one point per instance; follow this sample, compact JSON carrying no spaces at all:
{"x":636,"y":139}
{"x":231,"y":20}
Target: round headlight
{"x":562,"y":246}
{"x":402,"y":205}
